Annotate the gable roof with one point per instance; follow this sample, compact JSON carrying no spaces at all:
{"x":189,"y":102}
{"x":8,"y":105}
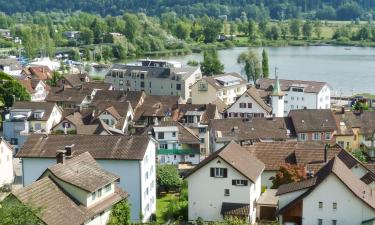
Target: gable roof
{"x":185,"y":135}
{"x":338,"y":168}
{"x":84,"y":172}
{"x":119,"y":147}
{"x":134,"y":97}
{"x":57,"y":207}
{"x":76,"y":79}
{"x":238,"y":158}
{"x":156,"y":106}
{"x":253,"y":93}
{"x":212,"y":80}
{"x":365,"y":121}
{"x":313,"y":120}
{"x":47,"y":107}
{"x":285,"y":85}
{"x":40,"y":72}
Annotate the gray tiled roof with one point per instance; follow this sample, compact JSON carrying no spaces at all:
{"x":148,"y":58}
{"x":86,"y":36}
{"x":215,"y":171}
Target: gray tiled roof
{"x":309,"y":86}
{"x":47,"y":107}
{"x":313,"y":120}
{"x":118,"y":147}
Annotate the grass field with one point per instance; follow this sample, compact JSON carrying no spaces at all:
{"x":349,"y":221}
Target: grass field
{"x":161,"y":206}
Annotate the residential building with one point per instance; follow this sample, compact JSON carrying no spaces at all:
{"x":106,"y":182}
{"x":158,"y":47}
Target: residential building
{"x":37,"y":72}
{"x":6,"y":163}
{"x":11,"y":66}
{"x":226,"y":183}
{"x":249,"y":130}
{"x":73,"y":191}
{"x":334,"y":195}
{"x":249,"y":104}
{"x":37,"y":89}
{"x":30,"y":117}
{"x":74,"y":80}
{"x":51,"y":64}
{"x":299,"y":94}
{"x":132,"y":158}
{"x":154,"y":77}
{"x":177,"y":144}
{"x":314,"y":124}
{"x":227,"y":87}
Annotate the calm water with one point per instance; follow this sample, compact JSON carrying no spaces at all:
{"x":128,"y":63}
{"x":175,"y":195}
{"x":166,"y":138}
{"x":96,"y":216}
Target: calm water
{"x":347,"y":71}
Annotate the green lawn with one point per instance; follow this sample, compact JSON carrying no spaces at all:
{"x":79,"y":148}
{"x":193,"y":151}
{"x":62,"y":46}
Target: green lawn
{"x":161,"y":206}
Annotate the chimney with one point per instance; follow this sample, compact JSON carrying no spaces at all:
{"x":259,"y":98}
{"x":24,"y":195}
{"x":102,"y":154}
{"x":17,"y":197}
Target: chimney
{"x":60,"y":156}
{"x":69,"y":150}
{"x":326,"y":153}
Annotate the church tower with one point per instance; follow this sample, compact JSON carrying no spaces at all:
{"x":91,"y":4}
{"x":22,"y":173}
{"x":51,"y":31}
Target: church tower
{"x":277,"y":100}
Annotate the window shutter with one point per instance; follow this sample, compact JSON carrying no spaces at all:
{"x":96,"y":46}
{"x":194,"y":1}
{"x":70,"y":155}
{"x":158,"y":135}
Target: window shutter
{"x":245,"y":182}
{"x":225,"y":172}
{"x":233,"y":182}
{"x":212,"y":172}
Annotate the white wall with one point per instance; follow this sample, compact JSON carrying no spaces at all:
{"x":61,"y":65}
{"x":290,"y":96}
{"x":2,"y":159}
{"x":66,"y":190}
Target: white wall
{"x":235,"y":108}
{"x":54,"y":119}
{"x":285,"y":199}
{"x":266,"y":175}
{"x":100,"y":219}
{"x":40,"y":93}
{"x":206,"y":194}
{"x":350,"y":209}
{"x":6,"y":164}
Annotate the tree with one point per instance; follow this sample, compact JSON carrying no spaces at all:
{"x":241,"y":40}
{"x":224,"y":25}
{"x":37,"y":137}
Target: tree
{"x":251,"y":65}
{"x":295,"y":26}
{"x":86,"y":36}
{"x":358,"y":154}
{"x":318,"y":28}
{"x":13,"y":91}
{"x":284,"y":30}
{"x":211,"y":64}
{"x":265,"y":66}
{"x":56,"y":77}
{"x":14,"y":212}
{"x":273,"y":32}
{"x":307,"y":29}
{"x":288,"y":174}
{"x":120,"y":214}
{"x":182,"y":30}
{"x":132,"y":26}
{"x":167,"y":176}
{"x":252,"y":30}
{"x":211,"y":30}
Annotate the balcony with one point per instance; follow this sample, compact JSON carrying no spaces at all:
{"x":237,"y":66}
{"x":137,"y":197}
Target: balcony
{"x":177,"y":151}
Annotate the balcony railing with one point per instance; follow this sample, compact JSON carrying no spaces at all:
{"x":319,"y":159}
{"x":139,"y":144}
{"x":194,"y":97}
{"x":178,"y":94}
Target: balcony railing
{"x":177,"y":151}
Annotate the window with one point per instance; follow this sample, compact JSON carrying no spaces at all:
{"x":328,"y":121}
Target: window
{"x":108,"y":187}
{"x":239,"y":182}
{"x":320,"y":222}
{"x":320,"y":205}
{"x":149,"y":84}
{"x":99,"y":193}
{"x":235,"y":115}
{"x":142,"y":84}
{"x":218,"y":172}
{"x":161,"y":135}
{"x":93,"y":196}
{"x":302,"y":137}
{"x":316,"y":136}
{"x":328,"y":136}
{"x":242,"y":105}
{"x":334,"y":205}
{"x":334,"y":222}
{"x":202,"y":130}
{"x":173,"y":134}
{"x":163,"y":146}
{"x":201,"y":140}
{"x":291,"y":106}
{"x":178,"y":86}
{"x":249,"y":105}
{"x":226,"y":192}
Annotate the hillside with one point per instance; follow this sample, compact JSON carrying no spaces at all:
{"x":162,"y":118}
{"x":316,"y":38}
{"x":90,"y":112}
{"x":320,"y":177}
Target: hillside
{"x":256,"y":9}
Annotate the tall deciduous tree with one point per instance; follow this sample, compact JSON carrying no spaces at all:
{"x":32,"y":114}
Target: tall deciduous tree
{"x":14,"y":212}
{"x":251,"y":64}
{"x":295,"y":28}
{"x":265,"y":66}
{"x":167,"y":176}
{"x":288,"y":174}
{"x":211,"y":64}
{"x":120,"y":214}
{"x":211,"y":30}
{"x":13,"y":91}
{"x":307,"y":29}
{"x":318,"y":28}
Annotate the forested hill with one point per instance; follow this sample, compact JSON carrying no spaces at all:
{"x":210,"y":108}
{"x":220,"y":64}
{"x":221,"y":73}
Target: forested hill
{"x":255,"y":9}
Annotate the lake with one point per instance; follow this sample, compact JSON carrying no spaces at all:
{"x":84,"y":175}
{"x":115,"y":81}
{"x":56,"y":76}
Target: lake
{"x":347,"y":71}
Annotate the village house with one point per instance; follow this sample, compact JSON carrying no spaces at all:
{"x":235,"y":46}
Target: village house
{"x":37,"y":89}
{"x":37,"y":72}
{"x":226,"y":183}
{"x":299,"y":94}
{"x":11,"y":66}
{"x":249,"y":130}
{"x":177,"y":144}
{"x":132,"y":158}
{"x":74,"y":191}
{"x":154,"y":77}
{"x":30,"y":117}
{"x":323,"y":198}
{"x":314,"y":124}
{"x":74,"y":80}
{"x":227,"y":87}
{"x":249,"y":104}
{"x":6,"y":163}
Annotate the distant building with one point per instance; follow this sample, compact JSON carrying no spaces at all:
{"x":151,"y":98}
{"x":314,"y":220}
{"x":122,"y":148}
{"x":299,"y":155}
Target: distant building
{"x":177,"y":144}
{"x":37,"y":89}
{"x":227,"y":183}
{"x":11,"y":66}
{"x":37,"y":72}
{"x":297,"y":94}
{"x":227,"y":87}
{"x":154,"y":77}
{"x":131,"y":158}
{"x":74,"y":80}
{"x":73,"y":191}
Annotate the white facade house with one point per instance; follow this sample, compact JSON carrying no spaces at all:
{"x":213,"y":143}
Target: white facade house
{"x":11,"y":66}
{"x":177,"y":144}
{"x":227,"y":183}
{"x":335,"y":195}
{"x":37,"y":89}
{"x":226,"y":87}
{"x":117,"y":115}
{"x":154,"y":77}
{"x":132,"y":158}
{"x":300,"y":94}
{"x":6,"y":163}
{"x":248,"y":105}
{"x":64,"y":193}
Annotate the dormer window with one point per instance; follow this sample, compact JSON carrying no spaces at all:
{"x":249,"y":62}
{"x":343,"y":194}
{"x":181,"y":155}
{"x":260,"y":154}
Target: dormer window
{"x":93,"y":196}
{"x":108,"y":188}
{"x":38,"y":115}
